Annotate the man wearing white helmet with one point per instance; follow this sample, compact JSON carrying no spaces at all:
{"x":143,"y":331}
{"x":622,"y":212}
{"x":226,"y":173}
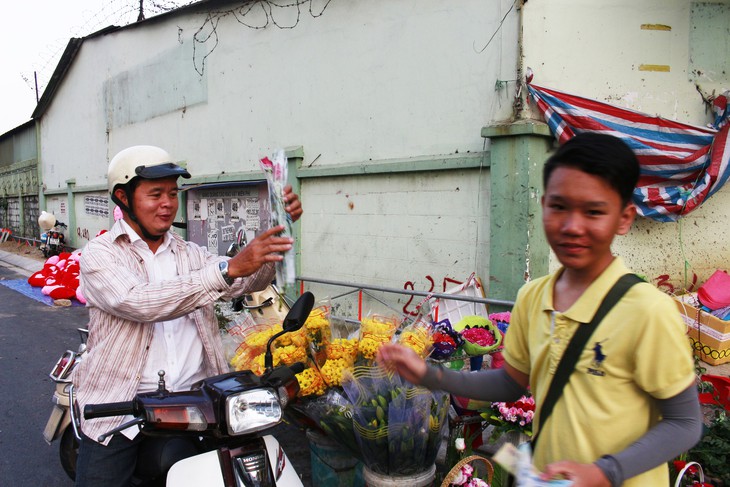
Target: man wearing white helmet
{"x":151,"y":296}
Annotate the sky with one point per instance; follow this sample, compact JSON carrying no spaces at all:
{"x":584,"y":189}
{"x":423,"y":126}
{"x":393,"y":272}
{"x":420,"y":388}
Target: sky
{"x":34,"y":34}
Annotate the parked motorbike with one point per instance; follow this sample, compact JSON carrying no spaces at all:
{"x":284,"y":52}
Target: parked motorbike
{"x":225,"y":416}
{"x":53,"y":240}
{"x":63,"y":424}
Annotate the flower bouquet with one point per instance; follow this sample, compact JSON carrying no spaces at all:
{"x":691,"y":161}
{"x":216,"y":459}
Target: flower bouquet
{"x":446,"y":341}
{"x":511,"y":416}
{"x":397,"y":425}
{"x":276,"y":177}
{"x":480,"y":335}
{"x":375,"y":330}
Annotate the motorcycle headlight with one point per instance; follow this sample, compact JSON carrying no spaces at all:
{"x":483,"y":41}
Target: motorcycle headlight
{"x":251,"y":411}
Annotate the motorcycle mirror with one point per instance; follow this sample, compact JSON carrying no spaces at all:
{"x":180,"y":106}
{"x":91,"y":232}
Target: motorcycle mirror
{"x":299,"y":312}
{"x":294,"y":320}
{"x":232,"y":250}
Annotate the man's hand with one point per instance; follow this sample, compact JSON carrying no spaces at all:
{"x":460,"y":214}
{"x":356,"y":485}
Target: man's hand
{"x":402,"y":360}
{"x":293,"y":205}
{"x":267,"y":247}
{"x":582,"y":474}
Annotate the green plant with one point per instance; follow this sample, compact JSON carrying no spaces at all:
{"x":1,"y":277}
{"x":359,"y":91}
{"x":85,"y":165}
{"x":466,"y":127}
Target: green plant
{"x":713,"y":450}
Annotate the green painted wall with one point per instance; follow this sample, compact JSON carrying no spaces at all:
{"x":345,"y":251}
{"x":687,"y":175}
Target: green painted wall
{"x":518,"y":250}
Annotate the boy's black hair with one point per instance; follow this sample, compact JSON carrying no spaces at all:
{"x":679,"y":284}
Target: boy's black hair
{"x":601,"y":155}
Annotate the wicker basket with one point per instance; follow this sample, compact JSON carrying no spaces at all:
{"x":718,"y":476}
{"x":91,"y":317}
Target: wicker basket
{"x":451,"y":476}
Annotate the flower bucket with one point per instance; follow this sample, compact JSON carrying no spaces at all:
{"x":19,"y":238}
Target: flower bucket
{"x":332,"y":466}
{"x":423,"y":479}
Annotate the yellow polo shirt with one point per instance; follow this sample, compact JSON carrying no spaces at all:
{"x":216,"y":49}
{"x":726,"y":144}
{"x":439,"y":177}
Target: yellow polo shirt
{"x":638,"y":352}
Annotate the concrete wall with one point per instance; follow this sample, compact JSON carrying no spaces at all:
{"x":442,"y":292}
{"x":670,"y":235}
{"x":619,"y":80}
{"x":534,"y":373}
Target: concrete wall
{"x":19,"y":183}
{"x":386,"y":83}
{"x":654,"y":56}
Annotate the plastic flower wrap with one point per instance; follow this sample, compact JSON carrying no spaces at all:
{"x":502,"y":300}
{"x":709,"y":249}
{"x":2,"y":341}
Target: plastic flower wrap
{"x":501,"y":320}
{"x":333,"y":371}
{"x":480,"y":335}
{"x":253,"y":343}
{"x":344,"y":340}
{"x":397,"y":425}
{"x":318,"y":333}
{"x":276,"y":175}
{"x":311,"y":382}
{"x":332,"y":412}
{"x":417,"y":336}
{"x":374,"y":331}
{"x":445,"y":340}
{"x":287,"y":349}
{"x":343,"y":348}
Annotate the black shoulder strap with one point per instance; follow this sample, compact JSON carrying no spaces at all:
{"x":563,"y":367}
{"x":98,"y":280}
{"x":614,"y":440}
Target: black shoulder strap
{"x":577,"y":344}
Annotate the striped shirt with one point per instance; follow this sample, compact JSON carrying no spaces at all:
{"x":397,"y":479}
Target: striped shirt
{"x":124,"y":303}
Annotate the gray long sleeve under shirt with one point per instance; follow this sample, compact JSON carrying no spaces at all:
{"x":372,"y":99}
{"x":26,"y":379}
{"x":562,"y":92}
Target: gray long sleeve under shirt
{"x":679,"y":430}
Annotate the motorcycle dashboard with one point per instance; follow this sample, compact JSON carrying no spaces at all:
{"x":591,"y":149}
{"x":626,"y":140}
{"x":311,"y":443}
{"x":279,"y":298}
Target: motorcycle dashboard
{"x":233,"y":382}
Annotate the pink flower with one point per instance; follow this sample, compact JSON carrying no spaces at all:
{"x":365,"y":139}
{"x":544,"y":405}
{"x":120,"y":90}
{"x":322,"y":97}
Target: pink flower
{"x":460,"y":479}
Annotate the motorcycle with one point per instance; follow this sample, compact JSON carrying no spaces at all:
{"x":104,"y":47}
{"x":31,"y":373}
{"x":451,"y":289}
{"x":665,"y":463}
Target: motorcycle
{"x":53,"y":240}
{"x":63,"y":424}
{"x":225,"y":416}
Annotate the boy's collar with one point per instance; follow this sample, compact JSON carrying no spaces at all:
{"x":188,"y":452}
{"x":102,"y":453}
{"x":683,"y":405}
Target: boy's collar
{"x":586,"y":306}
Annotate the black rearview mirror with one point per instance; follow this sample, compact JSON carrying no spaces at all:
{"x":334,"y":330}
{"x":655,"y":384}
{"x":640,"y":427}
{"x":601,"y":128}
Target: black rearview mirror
{"x":299,"y":312}
{"x":294,"y":320}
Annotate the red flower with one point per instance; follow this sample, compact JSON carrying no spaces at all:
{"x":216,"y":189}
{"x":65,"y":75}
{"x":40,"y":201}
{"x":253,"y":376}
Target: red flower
{"x":680,"y":464}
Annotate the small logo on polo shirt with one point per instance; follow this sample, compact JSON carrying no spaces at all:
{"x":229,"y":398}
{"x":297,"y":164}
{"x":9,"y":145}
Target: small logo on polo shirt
{"x":598,"y":358}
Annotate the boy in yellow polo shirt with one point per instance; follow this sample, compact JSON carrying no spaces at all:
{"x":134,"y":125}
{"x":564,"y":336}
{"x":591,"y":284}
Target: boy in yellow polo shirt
{"x":631,"y":403}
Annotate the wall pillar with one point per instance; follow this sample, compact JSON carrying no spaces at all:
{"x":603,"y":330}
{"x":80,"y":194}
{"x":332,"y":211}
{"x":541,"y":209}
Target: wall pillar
{"x":518,"y":250}
{"x":71,"y":239}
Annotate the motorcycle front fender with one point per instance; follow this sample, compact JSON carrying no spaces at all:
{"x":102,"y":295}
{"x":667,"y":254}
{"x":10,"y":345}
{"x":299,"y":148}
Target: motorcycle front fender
{"x":205,"y":469}
{"x":57,"y":423}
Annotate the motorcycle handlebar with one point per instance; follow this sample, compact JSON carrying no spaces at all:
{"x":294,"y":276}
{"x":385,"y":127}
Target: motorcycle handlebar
{"x":108,"y":409}
{"x":297,"y":367}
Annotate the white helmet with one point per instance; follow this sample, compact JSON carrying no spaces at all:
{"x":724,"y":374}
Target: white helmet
{"x":46,"y":220}
{"x":144,"y":161}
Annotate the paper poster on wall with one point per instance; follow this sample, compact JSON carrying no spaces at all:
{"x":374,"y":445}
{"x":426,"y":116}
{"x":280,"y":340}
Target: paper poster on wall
{"x":227,"y":233}
{"x":213,"y":241}
{"x":220,"y":210}
{"x":211,"y":209}
{"x":217,"y":212}
{"x":234,"y":218}
{"x":253,"y":220}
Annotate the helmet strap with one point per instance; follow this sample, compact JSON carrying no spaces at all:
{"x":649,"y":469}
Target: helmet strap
{"x":130,"y":212}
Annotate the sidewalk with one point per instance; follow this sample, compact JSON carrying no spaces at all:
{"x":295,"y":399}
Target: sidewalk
{"x":20,"y":264}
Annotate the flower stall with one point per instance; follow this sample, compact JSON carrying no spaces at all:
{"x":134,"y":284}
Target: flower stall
{"x":393,"y":427}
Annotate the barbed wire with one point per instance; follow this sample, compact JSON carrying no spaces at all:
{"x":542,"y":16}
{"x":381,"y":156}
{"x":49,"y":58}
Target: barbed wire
{"x":125,"y":12}
{"x":209,"y":30}
{"x":112,"y":12}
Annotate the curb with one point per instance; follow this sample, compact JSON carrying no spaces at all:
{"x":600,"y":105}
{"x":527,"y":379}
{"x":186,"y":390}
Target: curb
{"x":22,"y":264}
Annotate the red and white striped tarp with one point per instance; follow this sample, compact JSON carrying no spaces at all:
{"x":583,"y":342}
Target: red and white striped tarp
{"x":681,"y":165}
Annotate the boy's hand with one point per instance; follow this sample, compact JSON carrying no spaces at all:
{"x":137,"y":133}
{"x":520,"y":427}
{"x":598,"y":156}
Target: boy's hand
{"x":403,"y":360}
{"x":267,"y":247}
{"x":293,"y":205}
{"x":581,"y":474}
